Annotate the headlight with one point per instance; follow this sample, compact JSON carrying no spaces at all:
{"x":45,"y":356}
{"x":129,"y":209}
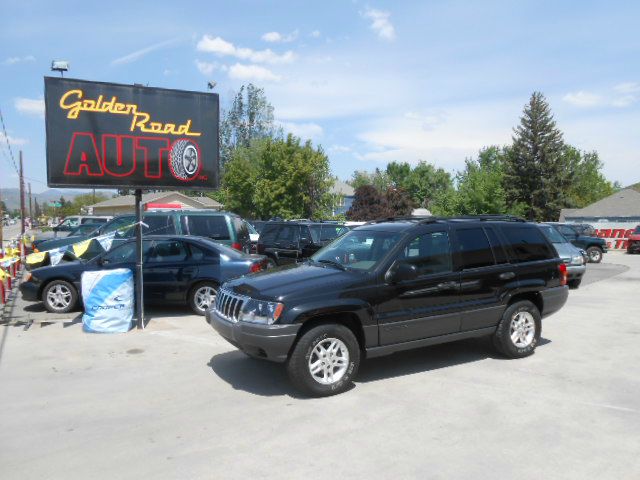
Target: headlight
{"x":577,"y":260}
{"x":257,"y":311}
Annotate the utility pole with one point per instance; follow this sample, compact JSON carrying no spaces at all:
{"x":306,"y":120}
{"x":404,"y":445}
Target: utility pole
{"x":30,"y":205}
{"x":22,"y":209}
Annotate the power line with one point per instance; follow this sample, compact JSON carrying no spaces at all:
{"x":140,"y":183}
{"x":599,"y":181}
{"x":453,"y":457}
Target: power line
{"x":6,"y":137}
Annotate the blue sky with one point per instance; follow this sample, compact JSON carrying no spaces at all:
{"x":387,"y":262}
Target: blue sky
{"x":371,"y":82}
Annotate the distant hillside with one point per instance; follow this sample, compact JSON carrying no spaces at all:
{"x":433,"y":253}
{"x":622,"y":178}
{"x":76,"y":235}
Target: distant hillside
{"x":11,"y":196}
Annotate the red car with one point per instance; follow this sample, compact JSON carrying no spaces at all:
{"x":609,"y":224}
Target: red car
{"x":634,"y":241}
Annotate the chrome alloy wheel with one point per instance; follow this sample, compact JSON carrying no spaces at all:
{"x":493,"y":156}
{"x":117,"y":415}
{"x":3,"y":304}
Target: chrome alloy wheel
{"x":59,"y":297}
{"x":328,"y":361}
{"x":205,"y":297}
{"x":523,"y":329}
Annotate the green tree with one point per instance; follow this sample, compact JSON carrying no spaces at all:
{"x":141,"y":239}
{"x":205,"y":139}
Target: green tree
{"x":427,"y":184}
{"x":480,"y":184}
{"x":398,"y":201}
{"x":537,"y":172}
{"x":249,"y":118}
{"x":278,"y":177}
{"x":589,"y":184}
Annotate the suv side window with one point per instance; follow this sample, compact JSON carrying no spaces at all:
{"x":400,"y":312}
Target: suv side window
{"x":528,"y":243}
{"x":288,"y":234}
{"x":315,"y":233}
{"x":430,"y":253}
{"x":212,"y":226}
{"x":268,"y":234}
{"x":329,"y":232}
{"x":474,"y":248}
{"x":568,"y":232}
{"x":157,"y":225}
{"x":498,"y":248}
{"x":126,"y":253}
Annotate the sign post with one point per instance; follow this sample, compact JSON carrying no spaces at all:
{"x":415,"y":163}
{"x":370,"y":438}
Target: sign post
{"x":106,"y":135}
{"x":139,"y":261}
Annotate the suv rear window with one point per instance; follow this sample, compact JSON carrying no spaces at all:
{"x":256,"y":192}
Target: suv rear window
{"x":528,"y":243}
{"x":212,"y":226}
{"x":268,"y":234}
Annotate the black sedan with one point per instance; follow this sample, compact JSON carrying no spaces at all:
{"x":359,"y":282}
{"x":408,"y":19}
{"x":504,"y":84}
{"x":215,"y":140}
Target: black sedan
{"x":177,"y":269}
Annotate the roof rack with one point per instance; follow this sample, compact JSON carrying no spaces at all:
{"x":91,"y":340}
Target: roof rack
{"x":434,"y":219}
{"x":406,"y":218}
{"x":491,"y":216}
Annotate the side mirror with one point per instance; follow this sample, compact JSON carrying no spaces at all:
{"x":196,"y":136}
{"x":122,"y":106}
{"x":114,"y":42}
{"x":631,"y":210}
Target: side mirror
{"x":401,"y":272}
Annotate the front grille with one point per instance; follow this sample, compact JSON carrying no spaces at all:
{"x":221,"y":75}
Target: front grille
{"x":228,"y":305}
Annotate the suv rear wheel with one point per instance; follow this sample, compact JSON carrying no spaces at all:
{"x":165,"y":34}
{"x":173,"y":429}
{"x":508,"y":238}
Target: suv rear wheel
{"x":324,"y":361}
{"x":594,"y":254}
{"x":519,"y":330}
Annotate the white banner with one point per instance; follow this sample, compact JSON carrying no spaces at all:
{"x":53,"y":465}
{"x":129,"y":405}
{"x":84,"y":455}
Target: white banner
{"x":106,"y":240}
{"x":56,"y":255}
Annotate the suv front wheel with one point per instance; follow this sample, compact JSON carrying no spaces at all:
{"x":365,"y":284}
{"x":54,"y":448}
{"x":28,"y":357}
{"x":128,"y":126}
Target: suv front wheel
{"x":519,"y":330}
{"x":594,"y":254}
{"x":324,"y":361}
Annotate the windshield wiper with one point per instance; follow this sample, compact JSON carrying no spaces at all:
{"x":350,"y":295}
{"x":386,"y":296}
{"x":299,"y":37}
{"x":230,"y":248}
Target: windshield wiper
{"x":332,"y":262}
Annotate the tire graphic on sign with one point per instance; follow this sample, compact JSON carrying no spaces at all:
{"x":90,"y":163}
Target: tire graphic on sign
{"x":184,"y":160}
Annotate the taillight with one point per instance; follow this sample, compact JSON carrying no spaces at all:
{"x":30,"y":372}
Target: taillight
{"x":236,"y":245}
{"x":564,"y":276}
{"x":255,"y":267}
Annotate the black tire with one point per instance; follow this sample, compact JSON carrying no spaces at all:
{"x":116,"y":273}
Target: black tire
{"x":594,"y":254}
{"x":59,"y":297}
{"x":195,"y":301}
{"x":184,"y":160}
{"x":298,"y":365}
{"x":502,"y":338}
{"x":575,"y":283}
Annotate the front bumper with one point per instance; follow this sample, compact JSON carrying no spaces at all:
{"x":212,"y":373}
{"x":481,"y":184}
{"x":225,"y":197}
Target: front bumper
{"x":271,"y":342}
{"x":634,"y":246}
{"x":29,"y":291}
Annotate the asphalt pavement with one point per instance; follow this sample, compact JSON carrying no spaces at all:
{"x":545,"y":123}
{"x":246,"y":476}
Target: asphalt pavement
{"x":177,"y":401}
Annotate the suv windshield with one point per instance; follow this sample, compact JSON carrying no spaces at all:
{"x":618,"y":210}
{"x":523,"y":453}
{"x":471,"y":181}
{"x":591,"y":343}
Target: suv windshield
{"x":358,"y":249}
{"x":552,"y":234}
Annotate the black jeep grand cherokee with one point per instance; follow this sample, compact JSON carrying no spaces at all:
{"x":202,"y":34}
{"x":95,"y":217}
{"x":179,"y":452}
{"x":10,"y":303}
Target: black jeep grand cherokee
{"x":392,"y":285}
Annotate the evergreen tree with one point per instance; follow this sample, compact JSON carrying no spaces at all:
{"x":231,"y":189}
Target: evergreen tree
{"x":537,"y":173}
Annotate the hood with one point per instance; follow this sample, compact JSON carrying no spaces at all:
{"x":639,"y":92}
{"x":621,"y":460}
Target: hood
{"x":292,"y":280}
{"x":634,"y":236}
{"x":49,"y":270}
{"x":566,"y":250}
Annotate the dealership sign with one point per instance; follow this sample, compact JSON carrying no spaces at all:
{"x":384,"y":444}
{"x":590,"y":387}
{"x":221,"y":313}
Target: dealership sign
{"x":110,"y":135}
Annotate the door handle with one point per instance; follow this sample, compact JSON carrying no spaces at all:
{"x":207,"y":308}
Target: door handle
{"x":507,"y":275}
{"x":447,"y":285}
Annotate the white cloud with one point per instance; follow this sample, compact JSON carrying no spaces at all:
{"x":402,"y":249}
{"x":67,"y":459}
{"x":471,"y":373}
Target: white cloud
{"x":583,"y":99}
{"x":380,"y":23}
{"x":138,"y":54}
{"x":221,"y":47}
{"x":14,"y":60}
{"x":315,"y":34}
{"x":205,"y":68}
{"x":340,"y":149}
{"x":14,"y":141}
{"x":277,"y":37}
{"x":306,"y":131}
{"x":627,"y":87}
{"x":29,"y":106}
{"x":252,"y":72}
{"x":622,"y":95}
